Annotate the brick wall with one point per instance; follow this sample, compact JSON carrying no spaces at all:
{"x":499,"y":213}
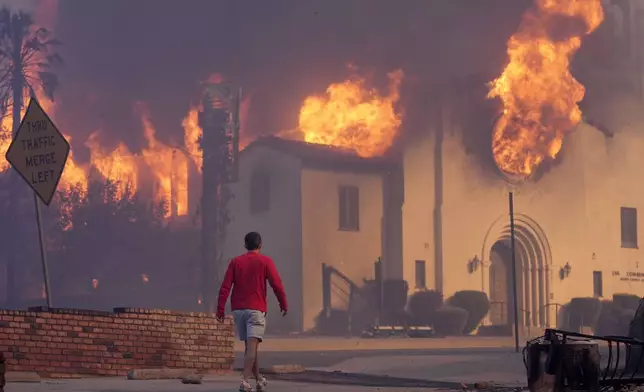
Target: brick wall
{"x":66,"y":342}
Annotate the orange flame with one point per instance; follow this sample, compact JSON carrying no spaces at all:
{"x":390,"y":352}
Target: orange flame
{"x":353,"y":116}
{"x":192,"y":131}
{"x":191,"y":136}
{"x":539,"y":94}
{"x":144,"y":278}
{"x":199,"y":300}
{"x":169,"y":165}
{"x":119,"y":166}
{"x":95,"y":283}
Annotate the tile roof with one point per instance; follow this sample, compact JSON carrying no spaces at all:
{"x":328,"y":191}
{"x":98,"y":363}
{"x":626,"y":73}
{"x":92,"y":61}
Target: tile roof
{"x":323,"y":156}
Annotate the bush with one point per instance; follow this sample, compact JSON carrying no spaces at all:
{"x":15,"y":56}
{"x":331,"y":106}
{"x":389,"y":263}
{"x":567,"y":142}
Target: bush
{"x":394,"y":295}
{"x":423,"y":305}
{"x":608,"y":322}
{"x":477,"y":305}
{"x":626,"y":301}
{"x":583,"y":312}
{"x":449,"y":321}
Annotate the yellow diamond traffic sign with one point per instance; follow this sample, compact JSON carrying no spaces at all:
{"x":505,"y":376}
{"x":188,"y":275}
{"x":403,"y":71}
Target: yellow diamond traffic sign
{"x":38,"y":152}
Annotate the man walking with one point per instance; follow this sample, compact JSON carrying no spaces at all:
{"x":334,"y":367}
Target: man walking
{"x":247,"y":275}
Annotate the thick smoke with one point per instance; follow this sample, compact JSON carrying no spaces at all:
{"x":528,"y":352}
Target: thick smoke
{"x":120,"y":51}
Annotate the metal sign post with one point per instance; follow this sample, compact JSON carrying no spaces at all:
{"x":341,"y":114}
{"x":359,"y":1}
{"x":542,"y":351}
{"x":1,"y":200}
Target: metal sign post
{"x":38,"y":152}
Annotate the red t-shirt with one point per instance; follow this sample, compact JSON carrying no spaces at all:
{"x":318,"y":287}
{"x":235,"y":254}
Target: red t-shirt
{"x":247,"y":275}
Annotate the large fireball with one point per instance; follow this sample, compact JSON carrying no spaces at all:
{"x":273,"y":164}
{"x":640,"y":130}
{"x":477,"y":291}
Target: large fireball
{"x":539,"y":94}
{"x":354,"y":116}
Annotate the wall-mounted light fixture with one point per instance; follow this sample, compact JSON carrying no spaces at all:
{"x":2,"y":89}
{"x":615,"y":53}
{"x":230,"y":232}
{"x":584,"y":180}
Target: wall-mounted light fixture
{"x":564,"y":271}
{"x":473,"y":264}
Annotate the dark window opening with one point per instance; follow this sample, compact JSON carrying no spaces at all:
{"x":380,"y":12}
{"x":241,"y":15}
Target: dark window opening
{"x":420,"y":274}
{"x":629,"y":227}
{"x":260,"y":192}
{"x":349,"y":204}
{"x":598,"y":284}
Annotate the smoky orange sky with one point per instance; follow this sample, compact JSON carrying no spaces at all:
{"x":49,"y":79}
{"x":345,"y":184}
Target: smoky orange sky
{"x":119,"y":52}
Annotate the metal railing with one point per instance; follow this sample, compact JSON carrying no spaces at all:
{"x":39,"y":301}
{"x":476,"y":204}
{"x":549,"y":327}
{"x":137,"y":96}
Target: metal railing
{"x":330,"y":287}
{"x":619,"y":366}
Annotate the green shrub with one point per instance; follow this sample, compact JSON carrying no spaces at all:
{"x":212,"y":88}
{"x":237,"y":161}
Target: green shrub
{"x":449,"y":320}
{"x":477,"y":305}
{"x":422,"y":306}
{"x":627,"y":301}
{"x":583,"y":312}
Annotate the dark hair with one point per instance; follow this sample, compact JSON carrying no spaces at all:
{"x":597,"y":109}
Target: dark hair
{"x":252,"y":240}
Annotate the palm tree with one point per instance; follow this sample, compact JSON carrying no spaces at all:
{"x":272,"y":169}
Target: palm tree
{"x":27,"y":60}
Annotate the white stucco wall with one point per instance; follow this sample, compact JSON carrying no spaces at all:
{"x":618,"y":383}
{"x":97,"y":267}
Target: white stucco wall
{"x":353,"y":253}
{"x":576,"y":204}
{"x":280,"y":226}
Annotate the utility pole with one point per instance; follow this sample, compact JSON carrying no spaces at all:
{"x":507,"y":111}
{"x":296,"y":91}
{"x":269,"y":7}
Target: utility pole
{"x":219,"y":122}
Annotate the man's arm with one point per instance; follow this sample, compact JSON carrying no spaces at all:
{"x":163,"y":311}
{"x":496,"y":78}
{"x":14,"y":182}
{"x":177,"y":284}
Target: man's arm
{"x":224,"y":291}
{"x":276,"y":284}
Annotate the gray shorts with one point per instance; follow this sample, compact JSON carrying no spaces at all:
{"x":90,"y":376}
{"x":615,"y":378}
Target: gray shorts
{"x":249,"y":324}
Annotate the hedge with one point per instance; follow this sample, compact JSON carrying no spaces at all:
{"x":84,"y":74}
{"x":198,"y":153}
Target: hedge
{"x":477,"y":305}
{"x":449,"y":320}
{"x":423,"y":305}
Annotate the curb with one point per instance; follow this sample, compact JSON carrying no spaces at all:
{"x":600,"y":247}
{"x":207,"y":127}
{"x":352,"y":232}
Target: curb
{"x":31,"y":377}
{"x":280,"y":369}
{"x":285,"y":369}
{"x":159,"y":374}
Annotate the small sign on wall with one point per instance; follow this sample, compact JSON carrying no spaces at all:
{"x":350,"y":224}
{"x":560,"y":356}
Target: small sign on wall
{"x":629,"y":276}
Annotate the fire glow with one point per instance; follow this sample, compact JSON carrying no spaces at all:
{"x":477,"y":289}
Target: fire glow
{"x":353,"y":116}
{"x":539,"y":94}
{"x":168,"y":165}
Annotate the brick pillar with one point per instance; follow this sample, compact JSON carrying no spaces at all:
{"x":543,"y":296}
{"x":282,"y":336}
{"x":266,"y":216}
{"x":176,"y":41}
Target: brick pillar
{"x":3,"y":370}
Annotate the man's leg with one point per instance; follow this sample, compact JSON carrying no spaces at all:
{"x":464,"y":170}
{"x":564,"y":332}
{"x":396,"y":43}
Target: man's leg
{"x":241,"y":321}
{"x":250,"y":356}
{"x":256,"y":362}
{"x":256,"y":328}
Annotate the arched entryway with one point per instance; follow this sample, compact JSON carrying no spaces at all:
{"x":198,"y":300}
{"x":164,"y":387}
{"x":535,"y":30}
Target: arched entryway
{"x":532,"y":254}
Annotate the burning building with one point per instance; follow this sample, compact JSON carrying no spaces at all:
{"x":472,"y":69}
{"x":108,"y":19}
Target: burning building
{"x":576,"y":197}
{"x":314,"y":205}
{"x":573,"y":178}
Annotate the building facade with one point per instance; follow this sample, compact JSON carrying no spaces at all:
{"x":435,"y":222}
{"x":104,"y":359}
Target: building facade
{"x":312,"y":204}
{"x":576,"y":221}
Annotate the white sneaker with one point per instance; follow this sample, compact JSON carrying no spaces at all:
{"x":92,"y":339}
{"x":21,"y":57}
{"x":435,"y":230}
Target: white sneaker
{"x":262,"y":384}
{"x":245,"y":387}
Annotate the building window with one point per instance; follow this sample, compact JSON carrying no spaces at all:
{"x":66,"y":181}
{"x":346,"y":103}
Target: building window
{"x":349,"y":203}
{"x":598,"y":284}
{"x":629,"y":227}
{"x":421,"y":277}
{"x":260,"y":192}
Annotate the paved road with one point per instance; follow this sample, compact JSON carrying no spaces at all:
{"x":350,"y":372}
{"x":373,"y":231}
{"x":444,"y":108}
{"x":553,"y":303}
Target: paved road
{"x":210,"y":384}
{"x":434,"y":363}
{"x":328,"y":359}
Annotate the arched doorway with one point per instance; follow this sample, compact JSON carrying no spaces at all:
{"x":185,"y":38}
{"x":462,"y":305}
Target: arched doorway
{"x":532,"y":254}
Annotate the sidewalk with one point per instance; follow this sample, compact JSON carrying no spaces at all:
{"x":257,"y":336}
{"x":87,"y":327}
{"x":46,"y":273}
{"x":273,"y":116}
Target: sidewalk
{"x":210,"y":384}
{"x":356,"y":344}
{"x":505,"y":368}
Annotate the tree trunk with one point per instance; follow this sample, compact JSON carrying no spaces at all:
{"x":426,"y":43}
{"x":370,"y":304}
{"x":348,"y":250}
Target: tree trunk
{"x":16,"y":189}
